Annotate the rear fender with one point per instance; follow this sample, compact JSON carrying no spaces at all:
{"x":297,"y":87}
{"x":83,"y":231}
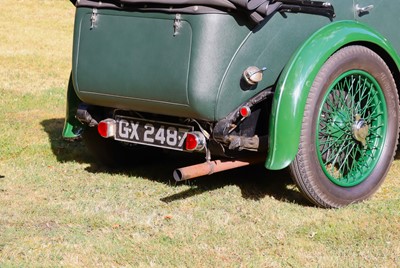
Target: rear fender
{"x":72,"y":127}
{"x":294,"y":84}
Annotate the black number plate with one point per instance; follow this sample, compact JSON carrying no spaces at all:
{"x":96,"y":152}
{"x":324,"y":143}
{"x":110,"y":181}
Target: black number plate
{"x":159,"y":134}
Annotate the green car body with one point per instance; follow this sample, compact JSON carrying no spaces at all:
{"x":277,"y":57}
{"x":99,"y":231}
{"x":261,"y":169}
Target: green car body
{"x":190,"y":64}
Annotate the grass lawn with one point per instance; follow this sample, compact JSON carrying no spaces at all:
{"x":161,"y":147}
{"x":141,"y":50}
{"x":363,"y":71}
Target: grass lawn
{"x":59,"y":208}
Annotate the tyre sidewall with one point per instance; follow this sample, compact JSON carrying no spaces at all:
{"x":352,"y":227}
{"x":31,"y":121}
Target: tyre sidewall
{"x":352,"y":58}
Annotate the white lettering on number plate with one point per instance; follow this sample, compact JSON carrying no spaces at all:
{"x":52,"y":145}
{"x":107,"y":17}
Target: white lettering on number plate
{"x":153,"y":133}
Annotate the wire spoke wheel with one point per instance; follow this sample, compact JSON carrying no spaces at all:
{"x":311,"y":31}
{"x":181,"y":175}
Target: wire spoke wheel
{"x":351,"y":128}
{"x":349,"y":131}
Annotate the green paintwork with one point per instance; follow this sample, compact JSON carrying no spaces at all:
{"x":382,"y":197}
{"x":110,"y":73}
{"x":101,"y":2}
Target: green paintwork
{"x":295,"y":82}
{"x":383,"y":17}
{"x":72,"y":127}
{"x":354,"y":107}
{"x":263,"y":48}
{"x":142,"y":61}
{"x":132,"y":60}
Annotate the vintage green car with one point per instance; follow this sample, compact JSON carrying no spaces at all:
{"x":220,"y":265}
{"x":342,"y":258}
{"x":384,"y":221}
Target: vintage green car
{"x":308,"y":85}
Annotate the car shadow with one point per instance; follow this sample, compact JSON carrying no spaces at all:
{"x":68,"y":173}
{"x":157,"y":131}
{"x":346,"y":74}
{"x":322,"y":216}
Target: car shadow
{"x":397,"y":154}
{"x":64,"y":150}
{"x":255,"y":182}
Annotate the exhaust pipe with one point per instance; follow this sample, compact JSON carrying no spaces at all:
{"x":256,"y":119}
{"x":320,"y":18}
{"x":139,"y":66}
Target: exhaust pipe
{"x":211,"y":167}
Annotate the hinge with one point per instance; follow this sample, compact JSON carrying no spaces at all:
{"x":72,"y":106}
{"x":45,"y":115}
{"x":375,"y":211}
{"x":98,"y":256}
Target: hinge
{"x":93,"y":18}
{"x":177,"y":24}
{"x":361,"y":11}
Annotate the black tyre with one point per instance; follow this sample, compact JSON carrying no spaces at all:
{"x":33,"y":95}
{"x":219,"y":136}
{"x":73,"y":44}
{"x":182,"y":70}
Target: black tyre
{"x":350,"y":129}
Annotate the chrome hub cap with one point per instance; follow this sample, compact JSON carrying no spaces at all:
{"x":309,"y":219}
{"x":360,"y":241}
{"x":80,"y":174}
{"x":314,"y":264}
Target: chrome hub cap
{"x":360,"y":130}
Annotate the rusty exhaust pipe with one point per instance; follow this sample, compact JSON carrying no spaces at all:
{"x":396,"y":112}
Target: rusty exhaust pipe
{"x":211,"y":167}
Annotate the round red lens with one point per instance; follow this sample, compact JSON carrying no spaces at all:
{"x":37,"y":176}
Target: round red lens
{"x":191,"y":142}
{"x":102,"y":128}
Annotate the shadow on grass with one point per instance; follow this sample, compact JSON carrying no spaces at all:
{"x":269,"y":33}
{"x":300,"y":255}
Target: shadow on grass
{"x":397,"y":155}
{"x":255,"y":181}
{"x":64,"y":150}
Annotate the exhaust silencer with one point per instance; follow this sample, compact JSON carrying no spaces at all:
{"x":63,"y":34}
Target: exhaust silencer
{"x":211,"y":167}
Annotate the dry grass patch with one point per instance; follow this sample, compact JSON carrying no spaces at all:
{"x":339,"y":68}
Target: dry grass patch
{"x":35,"y":44}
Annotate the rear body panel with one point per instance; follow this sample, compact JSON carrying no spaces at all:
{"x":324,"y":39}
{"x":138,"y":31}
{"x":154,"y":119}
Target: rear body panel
{"x":135,"y":61}
{"x":125,"y":54}
{"x":142,"y":61}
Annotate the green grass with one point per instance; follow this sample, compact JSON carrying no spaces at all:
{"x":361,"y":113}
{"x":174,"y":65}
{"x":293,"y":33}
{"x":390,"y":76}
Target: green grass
{"x":59,"y":208}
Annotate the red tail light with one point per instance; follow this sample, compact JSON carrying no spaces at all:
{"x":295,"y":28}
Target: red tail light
{"x":106,"y":128}
{"x":195,"y":141}
{"x":245,"y":111}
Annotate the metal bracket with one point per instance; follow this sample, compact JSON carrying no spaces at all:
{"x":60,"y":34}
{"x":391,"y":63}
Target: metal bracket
{"x":93,"y":18}
{"x":177,"y":24}
{"x":363,"y":10}
{"x":308,"y":7}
